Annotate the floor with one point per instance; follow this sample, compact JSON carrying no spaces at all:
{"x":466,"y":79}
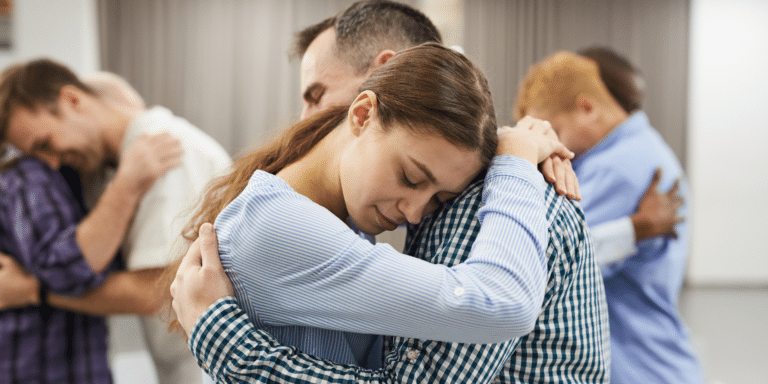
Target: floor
{"x":729,"y":330}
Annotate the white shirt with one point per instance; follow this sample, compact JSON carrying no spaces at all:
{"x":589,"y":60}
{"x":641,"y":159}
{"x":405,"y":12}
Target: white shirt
{"x":167,"y":207}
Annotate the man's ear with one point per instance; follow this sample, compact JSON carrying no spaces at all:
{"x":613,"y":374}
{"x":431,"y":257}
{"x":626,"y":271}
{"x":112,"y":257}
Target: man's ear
{"x":362,"y":111}
{"x":587,"y":108}
{"x":71,"y":97}
{"x":382,"y":58}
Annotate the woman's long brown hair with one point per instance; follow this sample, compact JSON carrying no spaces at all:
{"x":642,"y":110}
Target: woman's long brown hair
{"x":428,"y":89}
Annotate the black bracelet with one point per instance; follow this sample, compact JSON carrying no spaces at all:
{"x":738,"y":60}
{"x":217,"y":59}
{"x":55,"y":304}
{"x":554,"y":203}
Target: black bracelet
{"x":43,"y":296}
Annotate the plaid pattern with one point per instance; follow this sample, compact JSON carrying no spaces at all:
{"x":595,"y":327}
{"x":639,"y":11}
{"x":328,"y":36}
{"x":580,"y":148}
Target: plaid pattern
{"x":569,"y":342}
{"x":39,"y":213}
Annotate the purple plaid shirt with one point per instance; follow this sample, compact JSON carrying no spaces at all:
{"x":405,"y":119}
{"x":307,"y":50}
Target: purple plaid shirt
{"x":38,"y":217}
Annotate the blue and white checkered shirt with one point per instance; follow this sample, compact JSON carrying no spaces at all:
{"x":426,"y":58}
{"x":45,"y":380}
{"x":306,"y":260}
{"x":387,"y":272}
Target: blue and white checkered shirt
{"x":570,"y":342}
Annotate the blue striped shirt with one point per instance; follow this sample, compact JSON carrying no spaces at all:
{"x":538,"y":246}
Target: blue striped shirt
{"x":570,"y":343}
{"x":297,"y":268}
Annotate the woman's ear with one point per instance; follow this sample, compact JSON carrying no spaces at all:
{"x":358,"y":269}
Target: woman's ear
{"x":362,"y":110}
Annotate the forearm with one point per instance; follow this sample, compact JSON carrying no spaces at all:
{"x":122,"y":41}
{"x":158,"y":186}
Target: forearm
{"x":100,"y":234}
{"x":495,"y":296}
{"x":234,"y":351}
{"x":231,"y":350}
{"x":134,"y":292}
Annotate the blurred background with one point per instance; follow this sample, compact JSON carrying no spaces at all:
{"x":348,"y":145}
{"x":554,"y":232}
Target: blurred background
{"x":224,"y":66}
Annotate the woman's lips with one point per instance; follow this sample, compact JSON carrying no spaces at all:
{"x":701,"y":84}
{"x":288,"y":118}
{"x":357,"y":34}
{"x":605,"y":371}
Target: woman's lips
{"x":384,"y":222}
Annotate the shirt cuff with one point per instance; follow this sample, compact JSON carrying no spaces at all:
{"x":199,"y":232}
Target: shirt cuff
{"x":217,"y":333}
{"x":614,"y":241}
{"x":513,"y":166}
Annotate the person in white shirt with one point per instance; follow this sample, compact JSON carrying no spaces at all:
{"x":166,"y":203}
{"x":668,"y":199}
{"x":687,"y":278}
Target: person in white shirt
{"x":90,"y":130}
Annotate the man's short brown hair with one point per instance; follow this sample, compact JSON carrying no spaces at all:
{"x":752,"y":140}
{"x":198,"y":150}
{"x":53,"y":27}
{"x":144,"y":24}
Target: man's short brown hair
{"x":32,"y":85}
{"x":368,"y":27}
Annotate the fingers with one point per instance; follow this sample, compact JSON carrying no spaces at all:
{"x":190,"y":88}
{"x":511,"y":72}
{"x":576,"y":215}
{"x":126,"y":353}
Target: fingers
{"x":560,"y":185}
{"x":209,"y":246}
{"x":193,"y":258}
{"x":563,"y":151}
{"x":572,"y":182}
{"x":577,"y":188}
{"x":547,"y":169}
{"x":655,"y":179}
{"x":4,"y":260}
{"x":675,"y":187}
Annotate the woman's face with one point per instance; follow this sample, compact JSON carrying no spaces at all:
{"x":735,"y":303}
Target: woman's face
{"x":390,"y":178}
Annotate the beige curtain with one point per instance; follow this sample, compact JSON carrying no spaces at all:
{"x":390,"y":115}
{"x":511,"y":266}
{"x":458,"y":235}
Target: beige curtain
{"x":223,"y":64}
{"x":506,"y":36}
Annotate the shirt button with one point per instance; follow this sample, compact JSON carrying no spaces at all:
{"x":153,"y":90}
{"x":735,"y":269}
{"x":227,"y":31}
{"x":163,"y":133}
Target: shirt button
{"x":205,"y":367}
{"x":459,"y":291}
{"x":411,"y":354}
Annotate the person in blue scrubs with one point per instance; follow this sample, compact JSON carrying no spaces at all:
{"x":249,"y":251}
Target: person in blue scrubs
{"x":617,"y":155}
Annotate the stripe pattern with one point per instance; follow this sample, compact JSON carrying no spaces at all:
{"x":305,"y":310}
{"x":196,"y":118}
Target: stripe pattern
{"x":568,"y":344}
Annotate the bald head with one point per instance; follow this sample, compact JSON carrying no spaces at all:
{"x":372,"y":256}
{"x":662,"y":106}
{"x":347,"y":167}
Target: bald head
{"x":113,"y":89}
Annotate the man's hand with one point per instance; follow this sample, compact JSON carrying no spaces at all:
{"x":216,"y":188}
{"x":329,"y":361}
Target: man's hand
{"x":148,"y":159}
{"x":17,"y":288}
{"x":657,"y":212}
{"x":200,"y":280}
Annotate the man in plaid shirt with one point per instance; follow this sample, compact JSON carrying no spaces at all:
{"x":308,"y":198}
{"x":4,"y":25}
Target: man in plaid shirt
{"x":570,"y":342}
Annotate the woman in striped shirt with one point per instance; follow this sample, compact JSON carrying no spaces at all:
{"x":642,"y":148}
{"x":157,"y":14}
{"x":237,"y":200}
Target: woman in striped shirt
{"x":421,"y":129}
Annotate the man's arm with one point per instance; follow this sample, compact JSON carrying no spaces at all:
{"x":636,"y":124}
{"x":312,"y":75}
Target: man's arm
{"x":101,"y":232}
{"x":124,"y":292}
{"x":250,"y":354}
{"x":656,"y":215}
{"x":120,"y":293}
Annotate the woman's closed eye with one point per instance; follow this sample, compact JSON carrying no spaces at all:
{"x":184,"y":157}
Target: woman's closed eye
{"x":407,"y":182}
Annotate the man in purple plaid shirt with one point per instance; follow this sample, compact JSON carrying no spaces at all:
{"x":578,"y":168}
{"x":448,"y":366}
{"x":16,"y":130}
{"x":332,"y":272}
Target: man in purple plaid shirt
{"x":45,"y":229}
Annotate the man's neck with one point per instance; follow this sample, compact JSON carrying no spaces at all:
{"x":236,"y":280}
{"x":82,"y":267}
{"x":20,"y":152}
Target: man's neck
{"x":115,"y":123}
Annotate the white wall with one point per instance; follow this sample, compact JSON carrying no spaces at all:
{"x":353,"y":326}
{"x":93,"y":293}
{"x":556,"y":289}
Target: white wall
{"x":728,"y":141}
{"x":65,"y":31}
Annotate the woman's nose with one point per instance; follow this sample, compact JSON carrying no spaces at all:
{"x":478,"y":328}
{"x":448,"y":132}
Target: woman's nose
{"x":413,"y":208}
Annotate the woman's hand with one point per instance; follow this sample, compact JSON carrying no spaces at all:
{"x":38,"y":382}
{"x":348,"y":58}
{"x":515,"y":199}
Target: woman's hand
{"x":200,"y":280}
{"x":531,"y":139}
{"x":535,"y":140}
{"x":559,"y":171}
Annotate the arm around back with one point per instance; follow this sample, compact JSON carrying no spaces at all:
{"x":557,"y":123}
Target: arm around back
{"x":339,"y":281}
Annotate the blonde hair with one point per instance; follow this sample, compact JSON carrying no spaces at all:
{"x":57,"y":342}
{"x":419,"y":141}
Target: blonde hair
{"x":555,"y":83}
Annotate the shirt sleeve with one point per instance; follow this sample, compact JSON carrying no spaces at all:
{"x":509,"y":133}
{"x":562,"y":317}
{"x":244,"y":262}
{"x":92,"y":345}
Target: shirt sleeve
{"x":614,"y":241}
{"x":231,"y":350}
{"x":338,"y":281}
{"x":151,"y":241}
{"x":40,"y":220}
